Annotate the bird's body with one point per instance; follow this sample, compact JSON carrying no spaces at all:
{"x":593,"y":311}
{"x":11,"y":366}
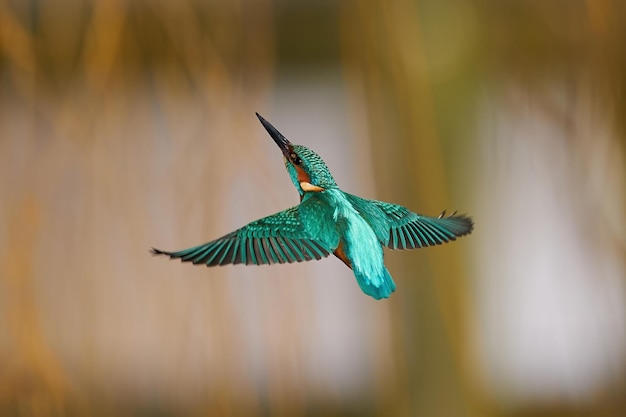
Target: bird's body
{"x":327,"y":220}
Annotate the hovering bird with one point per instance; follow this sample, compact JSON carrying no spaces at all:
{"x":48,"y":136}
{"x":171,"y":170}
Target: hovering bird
{"x":327,"y":220}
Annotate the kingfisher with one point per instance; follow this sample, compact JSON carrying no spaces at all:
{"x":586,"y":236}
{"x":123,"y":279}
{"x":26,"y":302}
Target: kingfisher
{"x":327,"y":220}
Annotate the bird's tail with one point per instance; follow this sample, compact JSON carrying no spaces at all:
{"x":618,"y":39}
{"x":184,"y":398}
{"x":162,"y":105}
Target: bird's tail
{"x":378,"y":287}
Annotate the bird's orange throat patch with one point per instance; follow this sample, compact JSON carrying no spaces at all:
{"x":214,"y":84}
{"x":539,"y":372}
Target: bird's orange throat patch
{"x":302,"y":175}
{"x":305,"y":181}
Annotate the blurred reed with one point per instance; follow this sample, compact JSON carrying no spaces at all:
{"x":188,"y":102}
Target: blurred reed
{"x":102,"y":102}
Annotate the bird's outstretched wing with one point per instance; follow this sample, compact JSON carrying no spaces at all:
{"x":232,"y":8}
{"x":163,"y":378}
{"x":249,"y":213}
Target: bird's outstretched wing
{"x":278,"y":238}
{"x":407,"y":230}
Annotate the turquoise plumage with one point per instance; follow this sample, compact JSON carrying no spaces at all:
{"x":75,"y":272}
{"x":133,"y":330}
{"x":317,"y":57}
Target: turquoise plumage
{"x":327,"y":220}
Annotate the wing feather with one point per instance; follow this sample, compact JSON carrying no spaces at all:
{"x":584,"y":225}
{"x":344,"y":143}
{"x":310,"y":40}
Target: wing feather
{"x":407,"y":230}
{"x":279,"y":238}
{"x":277,"y":249}
{"x":424,"y":231}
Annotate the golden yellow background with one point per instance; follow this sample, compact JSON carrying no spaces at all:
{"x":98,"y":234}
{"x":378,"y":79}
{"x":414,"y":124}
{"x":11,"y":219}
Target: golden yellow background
{"x":130,"y":124}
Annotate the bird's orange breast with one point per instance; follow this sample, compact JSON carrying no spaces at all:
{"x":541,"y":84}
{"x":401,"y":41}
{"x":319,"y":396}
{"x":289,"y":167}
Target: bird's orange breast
{"x":341,"y":254}
{"x":302,"y":175}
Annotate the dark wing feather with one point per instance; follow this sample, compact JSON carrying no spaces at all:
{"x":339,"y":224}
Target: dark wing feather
{"x":408,"y":230}
{"x":279,"y":238}
{"x":399,"y":228}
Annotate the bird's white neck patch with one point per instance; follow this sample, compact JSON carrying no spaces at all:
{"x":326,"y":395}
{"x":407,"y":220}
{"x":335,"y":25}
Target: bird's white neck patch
{"x":307,"y":186}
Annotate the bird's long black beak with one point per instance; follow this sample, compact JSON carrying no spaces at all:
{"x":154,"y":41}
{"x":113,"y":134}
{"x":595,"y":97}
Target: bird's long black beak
{"x":280,"y":140}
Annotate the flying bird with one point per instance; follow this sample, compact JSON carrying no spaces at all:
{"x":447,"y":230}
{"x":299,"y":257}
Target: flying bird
{"x":327,"y":220}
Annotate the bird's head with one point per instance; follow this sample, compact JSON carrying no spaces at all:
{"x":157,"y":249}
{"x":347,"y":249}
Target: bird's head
{"x":307,"y":170}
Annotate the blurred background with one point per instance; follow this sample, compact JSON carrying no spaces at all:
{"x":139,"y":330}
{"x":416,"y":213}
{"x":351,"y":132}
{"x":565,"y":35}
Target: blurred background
{"x":130,"y":124}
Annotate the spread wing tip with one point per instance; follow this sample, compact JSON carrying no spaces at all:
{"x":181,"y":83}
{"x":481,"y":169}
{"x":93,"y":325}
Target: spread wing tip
{"x":155,"y":252}
{"x":464,"y":219}
{"x":172,"y":255}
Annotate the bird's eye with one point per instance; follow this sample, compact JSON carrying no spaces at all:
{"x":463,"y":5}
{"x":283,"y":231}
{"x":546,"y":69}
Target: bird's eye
{"x":296,"y":159}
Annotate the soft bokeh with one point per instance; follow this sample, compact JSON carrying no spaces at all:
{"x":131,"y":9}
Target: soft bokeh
{"x":130,"y":124}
